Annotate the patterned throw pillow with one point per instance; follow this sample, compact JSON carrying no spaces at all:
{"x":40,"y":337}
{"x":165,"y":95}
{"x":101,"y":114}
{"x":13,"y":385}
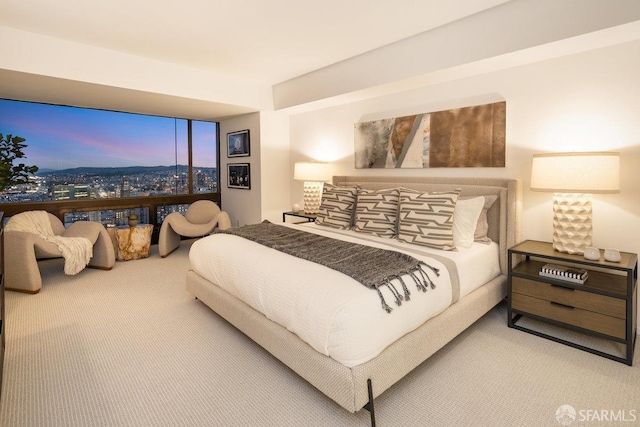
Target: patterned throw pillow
{"x":427,"y":218}
{"x":376,"y":212}
{"x":336,"y":208}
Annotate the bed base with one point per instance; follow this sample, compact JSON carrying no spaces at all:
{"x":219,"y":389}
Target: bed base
{"x":349,"y":386}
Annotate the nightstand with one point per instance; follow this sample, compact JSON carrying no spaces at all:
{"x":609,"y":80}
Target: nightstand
{"x":301,"y":214}
{"x":604,"y":306}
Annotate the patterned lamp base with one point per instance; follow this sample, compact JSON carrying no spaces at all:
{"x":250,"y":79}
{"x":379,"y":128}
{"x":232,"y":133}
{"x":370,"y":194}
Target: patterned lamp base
{"x":312,"y":196}
{"x":572,"y":229}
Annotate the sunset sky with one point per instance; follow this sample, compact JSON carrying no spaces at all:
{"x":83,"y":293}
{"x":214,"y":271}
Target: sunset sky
{"x":67,"y":137}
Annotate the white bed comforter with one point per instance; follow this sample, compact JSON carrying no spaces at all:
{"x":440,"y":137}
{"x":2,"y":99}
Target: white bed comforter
{"x":330,"y":311}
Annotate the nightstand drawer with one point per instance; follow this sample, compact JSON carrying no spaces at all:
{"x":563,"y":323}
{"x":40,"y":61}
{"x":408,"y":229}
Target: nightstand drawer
{"x":602,"y":304}
{"x":596,"y":322}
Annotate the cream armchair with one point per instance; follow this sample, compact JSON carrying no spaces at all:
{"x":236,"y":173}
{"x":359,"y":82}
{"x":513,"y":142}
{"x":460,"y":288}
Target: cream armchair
{"x":23,"y":249}
{"x":201,"y":219}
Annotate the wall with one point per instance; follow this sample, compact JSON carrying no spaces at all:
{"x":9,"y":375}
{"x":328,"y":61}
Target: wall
{"x":243,"y":206}
{"x":275,"y":176}
{"x":269,"y":166}
{"x":584,"y":102}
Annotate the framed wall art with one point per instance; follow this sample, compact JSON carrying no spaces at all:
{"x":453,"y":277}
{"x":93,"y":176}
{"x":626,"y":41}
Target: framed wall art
{"x":238,"y":144}
{"x":458,"y":138}
{"x":239,"y":176}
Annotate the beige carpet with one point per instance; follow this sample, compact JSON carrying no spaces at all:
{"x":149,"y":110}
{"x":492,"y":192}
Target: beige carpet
{"x":130,"y":347}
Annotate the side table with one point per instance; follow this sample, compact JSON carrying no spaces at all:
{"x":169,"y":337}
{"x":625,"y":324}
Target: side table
{"x":605,"y":306}
{"x":300,"y":214}
{"x":131,"y":242}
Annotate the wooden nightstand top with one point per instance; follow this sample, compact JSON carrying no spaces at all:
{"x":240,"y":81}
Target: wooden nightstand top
{"x":627,"y":262}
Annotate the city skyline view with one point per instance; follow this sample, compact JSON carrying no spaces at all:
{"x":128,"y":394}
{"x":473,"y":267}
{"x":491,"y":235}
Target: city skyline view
{"x":61,"y":137}
{"x":96,"y":154}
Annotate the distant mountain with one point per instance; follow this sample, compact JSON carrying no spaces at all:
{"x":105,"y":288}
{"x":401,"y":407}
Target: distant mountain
{"x":128,"y":170}
{"x":45,"y":171}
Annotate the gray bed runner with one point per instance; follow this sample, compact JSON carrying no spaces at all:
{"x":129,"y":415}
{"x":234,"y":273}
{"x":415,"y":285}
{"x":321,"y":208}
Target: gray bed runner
{"x":448,"y":263}
{"x":373,"y":267}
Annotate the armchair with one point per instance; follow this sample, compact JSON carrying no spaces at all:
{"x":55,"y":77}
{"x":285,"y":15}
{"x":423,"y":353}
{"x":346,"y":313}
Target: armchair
{"x":23,"y":249}
{"x":201,"y":219}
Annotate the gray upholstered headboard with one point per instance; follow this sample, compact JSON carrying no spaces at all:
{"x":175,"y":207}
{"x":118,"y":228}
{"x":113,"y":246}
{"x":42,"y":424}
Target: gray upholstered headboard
{"x":503,"y":217}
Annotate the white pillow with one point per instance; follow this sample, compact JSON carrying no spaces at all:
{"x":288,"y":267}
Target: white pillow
{"x":465,"y":218}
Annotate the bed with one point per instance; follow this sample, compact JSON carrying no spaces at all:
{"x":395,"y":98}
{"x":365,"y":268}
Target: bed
{"x":353,"y":380}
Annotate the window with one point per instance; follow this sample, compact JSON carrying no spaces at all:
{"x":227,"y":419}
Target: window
{"x":96,"y":154}
{"x":205,"y":154}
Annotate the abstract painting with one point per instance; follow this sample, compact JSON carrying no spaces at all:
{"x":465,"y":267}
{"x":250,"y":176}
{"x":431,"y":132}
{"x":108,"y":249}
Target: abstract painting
{"x":461,"y":137}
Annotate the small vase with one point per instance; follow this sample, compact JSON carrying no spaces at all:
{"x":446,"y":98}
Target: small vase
{"x":133,"y":222}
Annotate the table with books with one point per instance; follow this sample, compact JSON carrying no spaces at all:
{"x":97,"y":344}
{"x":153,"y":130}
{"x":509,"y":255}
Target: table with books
{"x":595,"y":298}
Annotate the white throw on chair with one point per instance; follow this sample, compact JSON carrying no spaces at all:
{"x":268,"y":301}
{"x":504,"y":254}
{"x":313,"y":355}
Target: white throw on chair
{"x":201,"y":219}
{"x":34,"y":235}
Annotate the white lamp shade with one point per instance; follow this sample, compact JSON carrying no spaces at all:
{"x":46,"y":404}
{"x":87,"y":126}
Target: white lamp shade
{"x":311,"y":172}
{"x":572,"y":177}
{"x":576,"y":172}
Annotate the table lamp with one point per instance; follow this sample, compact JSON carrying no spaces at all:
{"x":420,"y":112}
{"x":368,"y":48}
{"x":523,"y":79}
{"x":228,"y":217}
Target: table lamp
{"x":313,"y":175}
{"x":573,"y":177}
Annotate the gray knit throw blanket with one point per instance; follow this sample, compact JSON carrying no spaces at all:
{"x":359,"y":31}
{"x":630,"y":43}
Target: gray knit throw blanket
{"x":373,"y":267}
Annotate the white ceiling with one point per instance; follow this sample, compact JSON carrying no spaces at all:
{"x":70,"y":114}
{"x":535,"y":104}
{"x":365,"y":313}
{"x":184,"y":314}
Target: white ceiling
{"x":231,"y":57}
{"x":268,"y":41}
